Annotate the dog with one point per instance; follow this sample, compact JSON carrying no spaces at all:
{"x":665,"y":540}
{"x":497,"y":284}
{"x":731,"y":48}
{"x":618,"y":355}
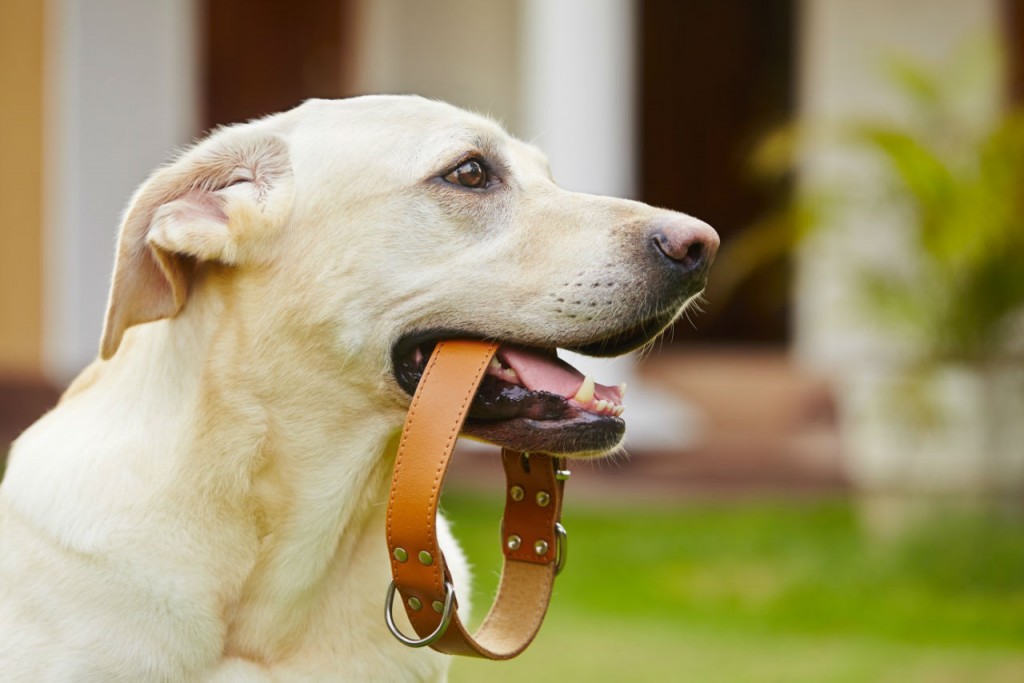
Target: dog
{"x":206,"y":502}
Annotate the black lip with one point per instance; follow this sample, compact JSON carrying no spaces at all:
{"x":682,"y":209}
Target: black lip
{"x":495,"y":399}
{"x":512,"y":416}
{"x":404,"y":347}
{"x":584,"y":433}
{"x":550,"y":423}
{"x":522,"y":419}
{"x":615,"y":344}
{"x":629,"y":339}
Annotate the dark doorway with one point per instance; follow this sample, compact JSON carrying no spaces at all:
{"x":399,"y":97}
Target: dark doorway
{"x":265,"y":56}
{"x":715,"y":76}
{"x":1013,"y":34}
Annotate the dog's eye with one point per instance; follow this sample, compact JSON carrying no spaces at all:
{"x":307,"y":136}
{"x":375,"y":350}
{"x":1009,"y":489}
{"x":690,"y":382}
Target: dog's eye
{"x":237,"y":180}
{"x":470,"y":174}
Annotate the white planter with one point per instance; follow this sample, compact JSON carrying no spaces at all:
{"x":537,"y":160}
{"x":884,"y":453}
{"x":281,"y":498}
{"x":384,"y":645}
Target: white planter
{"x":956,"y":430}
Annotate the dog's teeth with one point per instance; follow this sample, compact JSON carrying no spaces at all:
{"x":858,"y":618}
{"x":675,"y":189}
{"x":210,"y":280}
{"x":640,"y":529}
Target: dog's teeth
{"x":619,"y":410}
{"x":495,"y":365}
{"x":622,"y":391}
{"x":585,"y":394}
{"x":602,"y":406}
{"x":510,"y":372}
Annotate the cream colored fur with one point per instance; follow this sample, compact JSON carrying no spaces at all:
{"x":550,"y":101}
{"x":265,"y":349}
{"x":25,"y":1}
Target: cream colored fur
{"x":206,"y":502}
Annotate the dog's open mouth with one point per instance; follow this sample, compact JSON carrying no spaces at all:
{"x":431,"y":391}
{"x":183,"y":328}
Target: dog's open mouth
{"x":531,"y":400}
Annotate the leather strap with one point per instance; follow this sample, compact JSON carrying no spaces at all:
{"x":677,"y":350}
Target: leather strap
{"x":531,"y":535}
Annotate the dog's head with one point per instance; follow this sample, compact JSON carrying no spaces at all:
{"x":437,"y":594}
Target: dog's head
{"x":373,"y":227}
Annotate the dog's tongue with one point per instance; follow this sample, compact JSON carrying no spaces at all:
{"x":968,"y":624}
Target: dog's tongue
{"x":542,"y":372}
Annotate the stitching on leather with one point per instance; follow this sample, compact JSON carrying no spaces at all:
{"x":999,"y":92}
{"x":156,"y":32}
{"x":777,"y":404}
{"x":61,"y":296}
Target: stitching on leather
{"x":433,"y":546}
{"x":399,"y":458}
{"x":432,"y":538}
{"x":443,"y":461}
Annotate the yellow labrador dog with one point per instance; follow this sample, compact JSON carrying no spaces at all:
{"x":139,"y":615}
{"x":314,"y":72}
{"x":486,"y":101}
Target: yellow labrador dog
{"x":206,"y":502}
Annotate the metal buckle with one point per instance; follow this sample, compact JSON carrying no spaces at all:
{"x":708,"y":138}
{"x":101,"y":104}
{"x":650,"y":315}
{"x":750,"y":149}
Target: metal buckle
{"x":562,"y":548}
{"x":446,"y":617}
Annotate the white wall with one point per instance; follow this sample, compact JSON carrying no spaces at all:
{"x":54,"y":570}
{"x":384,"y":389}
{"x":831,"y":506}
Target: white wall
{"x":122,"y":95}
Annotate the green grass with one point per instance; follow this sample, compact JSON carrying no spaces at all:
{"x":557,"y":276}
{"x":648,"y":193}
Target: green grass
{"x":764,"y":592}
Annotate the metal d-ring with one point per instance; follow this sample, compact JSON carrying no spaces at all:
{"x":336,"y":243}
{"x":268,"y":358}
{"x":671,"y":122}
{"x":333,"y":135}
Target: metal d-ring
{"x":446,"y":617}
{"x":562,"y":549}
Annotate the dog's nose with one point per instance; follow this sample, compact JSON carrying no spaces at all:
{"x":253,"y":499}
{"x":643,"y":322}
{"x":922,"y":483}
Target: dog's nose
{"x":687,"y":244}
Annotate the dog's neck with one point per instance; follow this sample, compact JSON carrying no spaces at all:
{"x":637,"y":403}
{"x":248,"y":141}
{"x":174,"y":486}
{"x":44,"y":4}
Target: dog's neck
{"x":283,"y":460}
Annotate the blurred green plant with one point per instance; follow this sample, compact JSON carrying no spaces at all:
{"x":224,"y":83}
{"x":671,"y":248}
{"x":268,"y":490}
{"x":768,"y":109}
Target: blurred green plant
{"x":960,"y":186}
{"x":965,"y":283}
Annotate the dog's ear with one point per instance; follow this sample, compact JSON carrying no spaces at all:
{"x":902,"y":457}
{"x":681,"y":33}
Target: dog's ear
{"x":202,"y":207}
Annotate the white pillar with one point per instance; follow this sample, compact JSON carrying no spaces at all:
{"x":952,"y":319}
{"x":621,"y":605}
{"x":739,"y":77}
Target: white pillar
{"x":579,"y":99}
{"x":579,"y":94}
{"x":122,"y":96}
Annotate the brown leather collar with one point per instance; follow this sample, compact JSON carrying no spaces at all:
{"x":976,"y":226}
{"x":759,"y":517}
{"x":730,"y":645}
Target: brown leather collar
{"x":533,"y":540}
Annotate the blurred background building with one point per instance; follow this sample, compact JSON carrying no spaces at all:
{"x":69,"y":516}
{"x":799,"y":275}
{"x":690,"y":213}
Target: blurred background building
{"x":658,"y":100}
{"x":760,"y":564}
